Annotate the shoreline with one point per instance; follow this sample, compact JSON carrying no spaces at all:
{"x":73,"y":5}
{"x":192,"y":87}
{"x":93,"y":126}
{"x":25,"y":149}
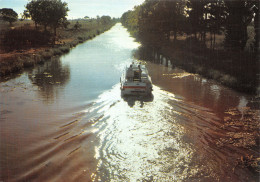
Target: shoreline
{"x":214,"y":65}
{"x":18,"y":60}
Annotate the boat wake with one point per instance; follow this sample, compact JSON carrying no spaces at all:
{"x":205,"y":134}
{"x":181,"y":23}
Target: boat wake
{"x":134,"y":138}
{"x":143,"y":138}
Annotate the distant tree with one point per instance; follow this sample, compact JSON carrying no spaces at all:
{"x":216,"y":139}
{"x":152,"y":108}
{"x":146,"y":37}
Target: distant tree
{"x":77,"y":25}
{"x":124,"y":18}
{"x":98,"y":19}
{"x":130,"y":19}
{"x":86,"y":17}
{"x":105,"y":19}
{"x":47,"y":12}
{"x":65,"y":23}
{"x":9,"y":15}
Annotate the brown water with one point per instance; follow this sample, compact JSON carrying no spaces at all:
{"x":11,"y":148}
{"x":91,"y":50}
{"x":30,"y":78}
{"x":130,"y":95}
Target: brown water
{"x":66,"y":121}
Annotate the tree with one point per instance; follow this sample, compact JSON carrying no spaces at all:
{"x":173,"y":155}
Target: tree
{"x":255,"y":9}
{"x":9,"y":15}
{"x":105,"y":19}
{"x":239,"y":16}
{"x":47,"y":13}
{"x":77,"y":25}
{"x":130,"y":20}
{"x":65,"y":24}
{"x":196,"y":18}
{"x":216,"y":19}
{"x":149,"y":23}
{"x":161,"y":18}
{"x":171,"y":15}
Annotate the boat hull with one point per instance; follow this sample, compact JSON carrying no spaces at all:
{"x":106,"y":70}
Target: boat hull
{"x":135,"y":89}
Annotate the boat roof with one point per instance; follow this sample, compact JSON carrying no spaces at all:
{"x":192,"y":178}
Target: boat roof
{"x":135,"y":66}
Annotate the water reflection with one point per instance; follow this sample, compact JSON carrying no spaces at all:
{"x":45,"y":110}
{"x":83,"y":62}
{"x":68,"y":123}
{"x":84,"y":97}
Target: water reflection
{"x":137,"y":99}
{"x":242,"y":105}
{"x":192,"y":87}
{"x":140,"y":142}
{"x":49,"y":76}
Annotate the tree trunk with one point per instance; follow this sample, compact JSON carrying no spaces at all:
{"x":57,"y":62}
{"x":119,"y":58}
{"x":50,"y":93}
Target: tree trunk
{"x":244,"y":37}
{"x":175,"y":35}
{"x":256,"y":27}
{"x":214,"y":40}
{"x":55,"y":31}
{"x":211,"y":40}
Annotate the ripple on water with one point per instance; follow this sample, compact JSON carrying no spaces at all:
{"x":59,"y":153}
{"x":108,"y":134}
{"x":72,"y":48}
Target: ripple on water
{"x":142,"y":142}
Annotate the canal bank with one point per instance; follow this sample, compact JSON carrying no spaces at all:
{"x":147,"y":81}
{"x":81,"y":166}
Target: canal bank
{"x":16,"y":60}
{"x":237,"y":70}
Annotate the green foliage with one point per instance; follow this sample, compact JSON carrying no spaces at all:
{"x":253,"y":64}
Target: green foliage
{"x":130,"y":19}
{"x":77,"y":25}
{"x":105,"y":19}
{"x":216,"y":16}
{"x":196,"y":17}
{"x":21,"y":38}
{"x":65,"y":23}
{"x":9,"y":15}
{"x":47,"y":12}
{"x":156,"y":20}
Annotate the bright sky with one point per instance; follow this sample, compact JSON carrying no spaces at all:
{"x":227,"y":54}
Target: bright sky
{"x":81,"y":8}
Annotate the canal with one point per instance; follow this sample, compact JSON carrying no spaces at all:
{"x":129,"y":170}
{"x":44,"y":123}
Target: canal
{"x":65,"y":120}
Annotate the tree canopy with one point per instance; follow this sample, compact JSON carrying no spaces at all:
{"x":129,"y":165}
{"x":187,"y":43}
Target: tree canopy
{"x":8,"y":14}
{"x":47,"y":12}
{"x":105,"y":19}
{"x":155,"y":20}
{"x":239,"y":16}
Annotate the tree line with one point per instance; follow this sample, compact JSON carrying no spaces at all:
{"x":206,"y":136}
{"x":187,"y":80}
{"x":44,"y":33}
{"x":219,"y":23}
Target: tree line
{"x":47,"y":13}
{"x":48,"y":16}
{"x":157,"y":20}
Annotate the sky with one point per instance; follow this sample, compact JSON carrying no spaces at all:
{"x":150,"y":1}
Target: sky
{"x":82,"y":8}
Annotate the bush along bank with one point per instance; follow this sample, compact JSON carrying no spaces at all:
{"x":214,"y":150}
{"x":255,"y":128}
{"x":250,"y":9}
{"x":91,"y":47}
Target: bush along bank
{"x":18,"y":59}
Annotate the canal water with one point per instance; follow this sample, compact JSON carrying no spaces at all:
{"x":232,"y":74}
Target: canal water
{"x":65,"y":120}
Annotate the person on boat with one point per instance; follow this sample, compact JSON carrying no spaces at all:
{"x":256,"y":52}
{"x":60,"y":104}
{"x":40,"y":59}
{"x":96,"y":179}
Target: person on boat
{"x":130,"y":73}
{"x":140,"y":71}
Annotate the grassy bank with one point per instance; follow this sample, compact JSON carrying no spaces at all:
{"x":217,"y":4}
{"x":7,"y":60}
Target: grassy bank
{"x":13,"y":59}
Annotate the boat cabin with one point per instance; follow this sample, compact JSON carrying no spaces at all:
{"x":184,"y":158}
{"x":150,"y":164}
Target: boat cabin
{"x":136,"y":73}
